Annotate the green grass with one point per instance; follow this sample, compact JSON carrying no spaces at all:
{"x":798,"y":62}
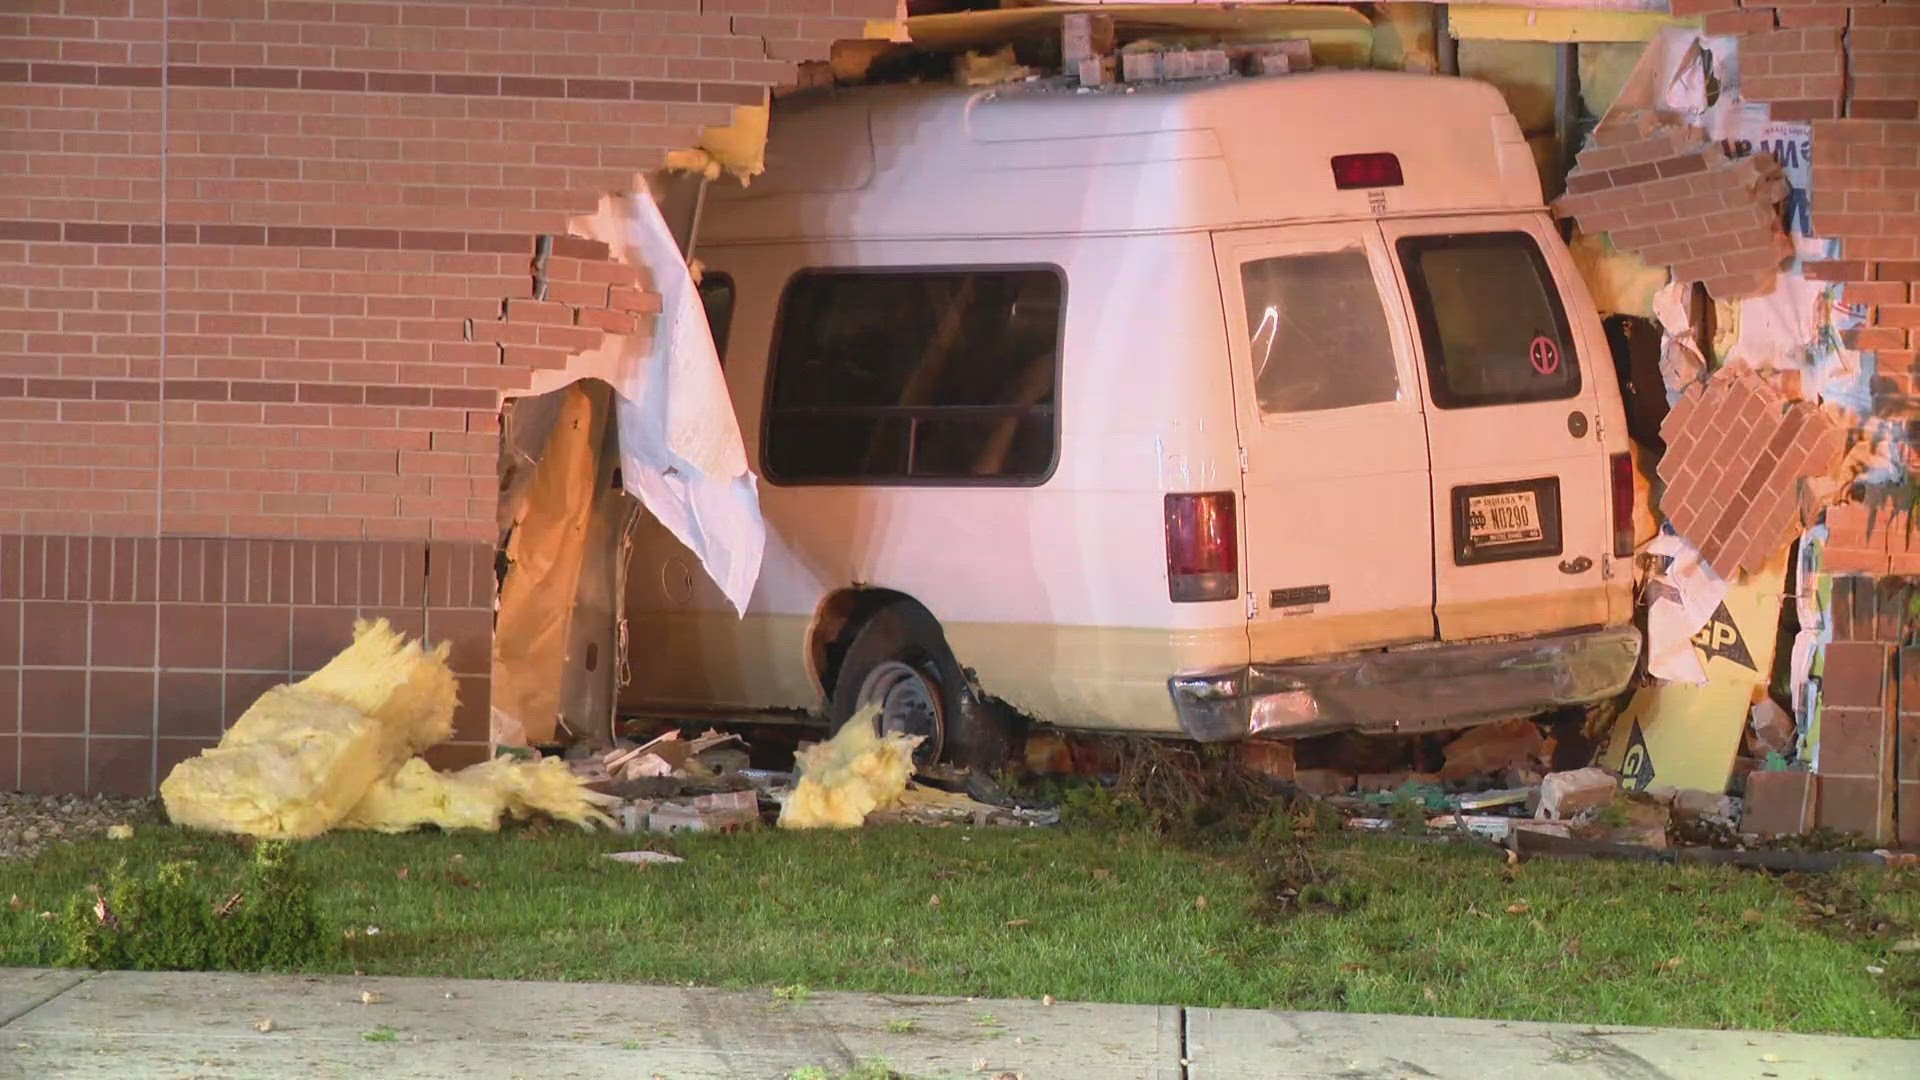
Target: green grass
{"x":1395,"y":926}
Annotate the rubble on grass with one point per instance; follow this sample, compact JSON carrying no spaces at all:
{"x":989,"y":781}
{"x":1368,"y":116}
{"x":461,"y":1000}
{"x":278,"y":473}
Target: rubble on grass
{"x":28,"y":823}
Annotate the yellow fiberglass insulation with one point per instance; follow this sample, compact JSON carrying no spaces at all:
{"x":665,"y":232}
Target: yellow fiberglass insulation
{"x":477,"y":797}
{"x":849,"y":776}
{"x":304,"y":755}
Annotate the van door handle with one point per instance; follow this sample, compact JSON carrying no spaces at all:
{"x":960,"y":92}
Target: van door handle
{"x":1577,"y":424}
{"x":1576,"y":566}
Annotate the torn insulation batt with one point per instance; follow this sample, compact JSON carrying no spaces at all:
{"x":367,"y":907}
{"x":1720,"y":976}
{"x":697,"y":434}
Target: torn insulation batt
{"x":849,"y":776}
{"x":304,"y":757}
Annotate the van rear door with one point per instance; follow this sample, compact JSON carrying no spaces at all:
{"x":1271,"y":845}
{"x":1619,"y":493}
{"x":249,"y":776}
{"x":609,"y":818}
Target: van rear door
{"x":1337,"y":526}
{"x":1522,"y":522}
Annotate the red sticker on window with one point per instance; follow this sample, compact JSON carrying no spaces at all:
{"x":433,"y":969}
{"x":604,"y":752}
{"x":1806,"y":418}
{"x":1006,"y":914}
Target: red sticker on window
{"x":1544,"y":355}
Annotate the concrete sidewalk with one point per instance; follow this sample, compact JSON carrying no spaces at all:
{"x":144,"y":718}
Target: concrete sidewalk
{"x":126,"y":1024}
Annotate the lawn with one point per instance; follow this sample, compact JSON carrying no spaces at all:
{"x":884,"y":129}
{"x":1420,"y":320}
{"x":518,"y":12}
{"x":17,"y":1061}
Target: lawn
{"x":1390,"y":925}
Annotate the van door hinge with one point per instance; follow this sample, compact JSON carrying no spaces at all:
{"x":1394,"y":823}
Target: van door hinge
{"x":1606,"y":567}
{"x":1599,"y":430}
{"x":1243,"y":461}
{"x":1253,"y":606}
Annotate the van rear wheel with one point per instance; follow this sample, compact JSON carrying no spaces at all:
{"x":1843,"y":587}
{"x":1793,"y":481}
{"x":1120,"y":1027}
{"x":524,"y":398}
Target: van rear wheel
{"x":898,"y":661}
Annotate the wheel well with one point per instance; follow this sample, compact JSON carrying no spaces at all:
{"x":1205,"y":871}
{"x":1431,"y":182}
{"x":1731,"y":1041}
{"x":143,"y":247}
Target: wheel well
{"x":840,"y":617}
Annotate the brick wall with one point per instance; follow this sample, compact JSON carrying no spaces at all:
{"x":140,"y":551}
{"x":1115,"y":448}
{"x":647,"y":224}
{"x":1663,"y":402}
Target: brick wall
{"x":266,"y":268}
{"x":1862,"y":703}
{"x":1853,"y":69}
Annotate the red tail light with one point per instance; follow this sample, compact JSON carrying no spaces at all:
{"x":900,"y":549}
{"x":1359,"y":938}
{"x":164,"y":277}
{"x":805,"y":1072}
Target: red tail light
{"x":1622,"y":505}
{"x":1203,"y":548}
{"x":1366,"y":171}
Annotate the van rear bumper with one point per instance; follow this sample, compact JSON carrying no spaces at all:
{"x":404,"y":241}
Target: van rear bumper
{"x":1406,"y":690}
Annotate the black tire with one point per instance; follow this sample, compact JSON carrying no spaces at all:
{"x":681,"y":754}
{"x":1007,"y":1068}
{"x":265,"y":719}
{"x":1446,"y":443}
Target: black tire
{"x":902,"y":635}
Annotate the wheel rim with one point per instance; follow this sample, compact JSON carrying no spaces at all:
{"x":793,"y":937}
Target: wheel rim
{"x":909,"y":704}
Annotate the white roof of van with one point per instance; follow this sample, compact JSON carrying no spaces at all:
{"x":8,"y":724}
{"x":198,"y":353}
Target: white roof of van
{"x":1031,"y":159}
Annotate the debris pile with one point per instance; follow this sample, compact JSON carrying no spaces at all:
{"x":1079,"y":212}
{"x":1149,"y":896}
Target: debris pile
{"x":674,"y":784}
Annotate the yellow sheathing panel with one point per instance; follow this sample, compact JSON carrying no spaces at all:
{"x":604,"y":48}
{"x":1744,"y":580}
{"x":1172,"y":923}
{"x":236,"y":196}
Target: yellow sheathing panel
{"x":1490,"y":23}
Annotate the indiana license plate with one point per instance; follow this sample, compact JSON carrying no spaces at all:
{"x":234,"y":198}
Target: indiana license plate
{"x":1509,"y":517}
{"x":1519,"y":519}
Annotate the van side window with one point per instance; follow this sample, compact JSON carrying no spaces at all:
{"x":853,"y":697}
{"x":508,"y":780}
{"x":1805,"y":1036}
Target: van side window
{"x":716,"y":296}
{"x":1318,"y":332}
{"x":1490,"y":320}
{"x":915,"y":376}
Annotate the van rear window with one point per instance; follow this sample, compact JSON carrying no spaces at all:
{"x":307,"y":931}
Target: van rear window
{"x":1491,"y":323}
{"x":916,"y":376}
{"x":1317,"y":332}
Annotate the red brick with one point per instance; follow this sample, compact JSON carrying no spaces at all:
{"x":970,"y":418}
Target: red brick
{"x":1835,"y":271}
{"x":1805,"y":109}
{"x":1867,"y":293}
{"x":1813,"y":16}
{"x":1686,"y":9}
{"x":538,"y":311}
{"x":1871,"y":338}
{"x":1735,"y":22}
{"x":1861,"y":806}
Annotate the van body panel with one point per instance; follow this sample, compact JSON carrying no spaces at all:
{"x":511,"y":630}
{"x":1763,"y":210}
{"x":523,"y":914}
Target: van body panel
{"x":1522,"y":439}
{"x":1020,"y":160}
{"x":1337,"y":530}
{"x":1145,"y":409}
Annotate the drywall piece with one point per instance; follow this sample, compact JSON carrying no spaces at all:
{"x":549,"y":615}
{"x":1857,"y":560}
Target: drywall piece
{"x":1675,"y":735}
{"x":1662,"y":190}
{"x":1737,"y":453}
{"x":680,"y":446}
{"x":1684,"y":595}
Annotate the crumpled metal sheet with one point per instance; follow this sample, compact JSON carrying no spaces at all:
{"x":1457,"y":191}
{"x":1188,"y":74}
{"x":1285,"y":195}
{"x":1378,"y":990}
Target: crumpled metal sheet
{"x":1424,"y":690}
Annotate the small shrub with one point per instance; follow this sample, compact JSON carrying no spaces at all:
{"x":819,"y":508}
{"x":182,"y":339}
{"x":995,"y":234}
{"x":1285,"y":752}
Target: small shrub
{"x":174,"y":919}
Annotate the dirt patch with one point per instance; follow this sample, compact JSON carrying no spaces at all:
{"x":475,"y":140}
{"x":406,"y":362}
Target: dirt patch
{"x":1878,"y":910}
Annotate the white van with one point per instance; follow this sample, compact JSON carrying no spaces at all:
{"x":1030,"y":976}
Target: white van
{"x":1257,"y":407}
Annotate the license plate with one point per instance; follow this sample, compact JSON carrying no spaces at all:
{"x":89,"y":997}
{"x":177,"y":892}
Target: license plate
{"x":1519,"y":519}
{"x":1510,"y":517}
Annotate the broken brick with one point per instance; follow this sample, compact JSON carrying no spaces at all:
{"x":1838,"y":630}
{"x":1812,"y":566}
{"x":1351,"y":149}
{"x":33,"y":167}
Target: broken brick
{"x":1736,"y":457}
{"x":628,"y":298}
{"x":1141,"y":66}
{"x":1778,"y":803}
{"x":539,"y":311}
{"x":1666,"y":193}
{"x":613,"y":322}
{"x":1323,"y":781}
{"x":1564,"y":794}
{"x":1772,"y":727}
{"x":578,"y":247}
{"x":1098,"y":70}
{"x":1490,"y":748}
{"x":1273,"y":760}
{"x":1083,"y":37}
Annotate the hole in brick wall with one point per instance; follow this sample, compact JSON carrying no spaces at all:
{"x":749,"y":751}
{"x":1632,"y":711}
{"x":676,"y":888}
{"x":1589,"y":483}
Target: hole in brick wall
{"x":1635,"y":343}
